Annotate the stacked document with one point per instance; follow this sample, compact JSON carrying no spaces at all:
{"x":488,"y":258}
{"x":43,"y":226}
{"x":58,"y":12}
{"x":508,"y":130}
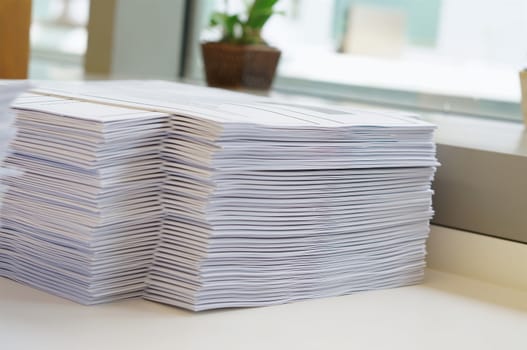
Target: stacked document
{"x":8,"y":92}
{"x":277,"y":203}
{"x":205,"y":199}
{"x":84,"y":217}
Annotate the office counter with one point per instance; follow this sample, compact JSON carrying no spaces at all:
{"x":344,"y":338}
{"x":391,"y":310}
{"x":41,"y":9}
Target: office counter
{"x":450,"y":310}
{"x":446,"y":312}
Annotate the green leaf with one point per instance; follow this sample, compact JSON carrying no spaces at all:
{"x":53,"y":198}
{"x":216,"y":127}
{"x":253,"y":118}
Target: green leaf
{"x":217,"y":19}
{"x":230,"y":25}
{"x":245,"y":32}
{"x":259,"y":5}
{"x":260,"y":12}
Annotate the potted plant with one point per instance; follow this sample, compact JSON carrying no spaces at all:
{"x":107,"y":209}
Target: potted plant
{"x":241,"y":58}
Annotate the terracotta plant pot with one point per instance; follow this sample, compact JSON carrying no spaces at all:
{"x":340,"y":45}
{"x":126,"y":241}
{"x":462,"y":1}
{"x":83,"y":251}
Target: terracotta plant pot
{"x":239,"y":66}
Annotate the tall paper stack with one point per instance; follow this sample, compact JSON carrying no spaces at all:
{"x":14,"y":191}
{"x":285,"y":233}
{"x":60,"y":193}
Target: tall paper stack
{"x":274,"y":203}
{"x":263,"y":202}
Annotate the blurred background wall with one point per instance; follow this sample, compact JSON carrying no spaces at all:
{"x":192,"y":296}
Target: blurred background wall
{"x":468,"y":49}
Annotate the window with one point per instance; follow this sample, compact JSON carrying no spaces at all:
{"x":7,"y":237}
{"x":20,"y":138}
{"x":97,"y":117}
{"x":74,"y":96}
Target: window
{"x":58,"y":38}
{"x":449,"y":55}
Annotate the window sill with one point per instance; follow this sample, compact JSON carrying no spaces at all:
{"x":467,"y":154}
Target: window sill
{"x":480,"y":134}
{"x":506,"y":109}
{"x":481,"y":186}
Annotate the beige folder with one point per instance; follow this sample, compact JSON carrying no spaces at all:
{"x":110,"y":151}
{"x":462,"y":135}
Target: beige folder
{"x":523,"y":81}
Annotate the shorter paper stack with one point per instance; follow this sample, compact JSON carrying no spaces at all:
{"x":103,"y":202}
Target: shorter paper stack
{"x":84,"y":217}
{"x":8,"y":92}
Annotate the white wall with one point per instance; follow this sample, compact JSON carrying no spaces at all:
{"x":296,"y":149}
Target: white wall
{"x":486,"y":30}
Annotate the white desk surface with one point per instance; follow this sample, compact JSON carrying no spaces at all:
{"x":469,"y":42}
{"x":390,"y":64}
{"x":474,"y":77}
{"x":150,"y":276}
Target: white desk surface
{"x":446,"y":312}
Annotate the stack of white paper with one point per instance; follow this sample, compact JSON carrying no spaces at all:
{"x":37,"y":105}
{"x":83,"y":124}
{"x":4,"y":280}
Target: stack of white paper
{"x":8,"y":93}
{"x":274,"y":203}
{"x":263,"y":202}
{"x":84,"y":217}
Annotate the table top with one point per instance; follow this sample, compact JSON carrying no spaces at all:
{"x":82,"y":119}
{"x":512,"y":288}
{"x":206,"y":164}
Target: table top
{"x":446,"y":311}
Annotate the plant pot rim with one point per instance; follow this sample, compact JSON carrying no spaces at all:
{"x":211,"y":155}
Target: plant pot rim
{"x":261,"y":47}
